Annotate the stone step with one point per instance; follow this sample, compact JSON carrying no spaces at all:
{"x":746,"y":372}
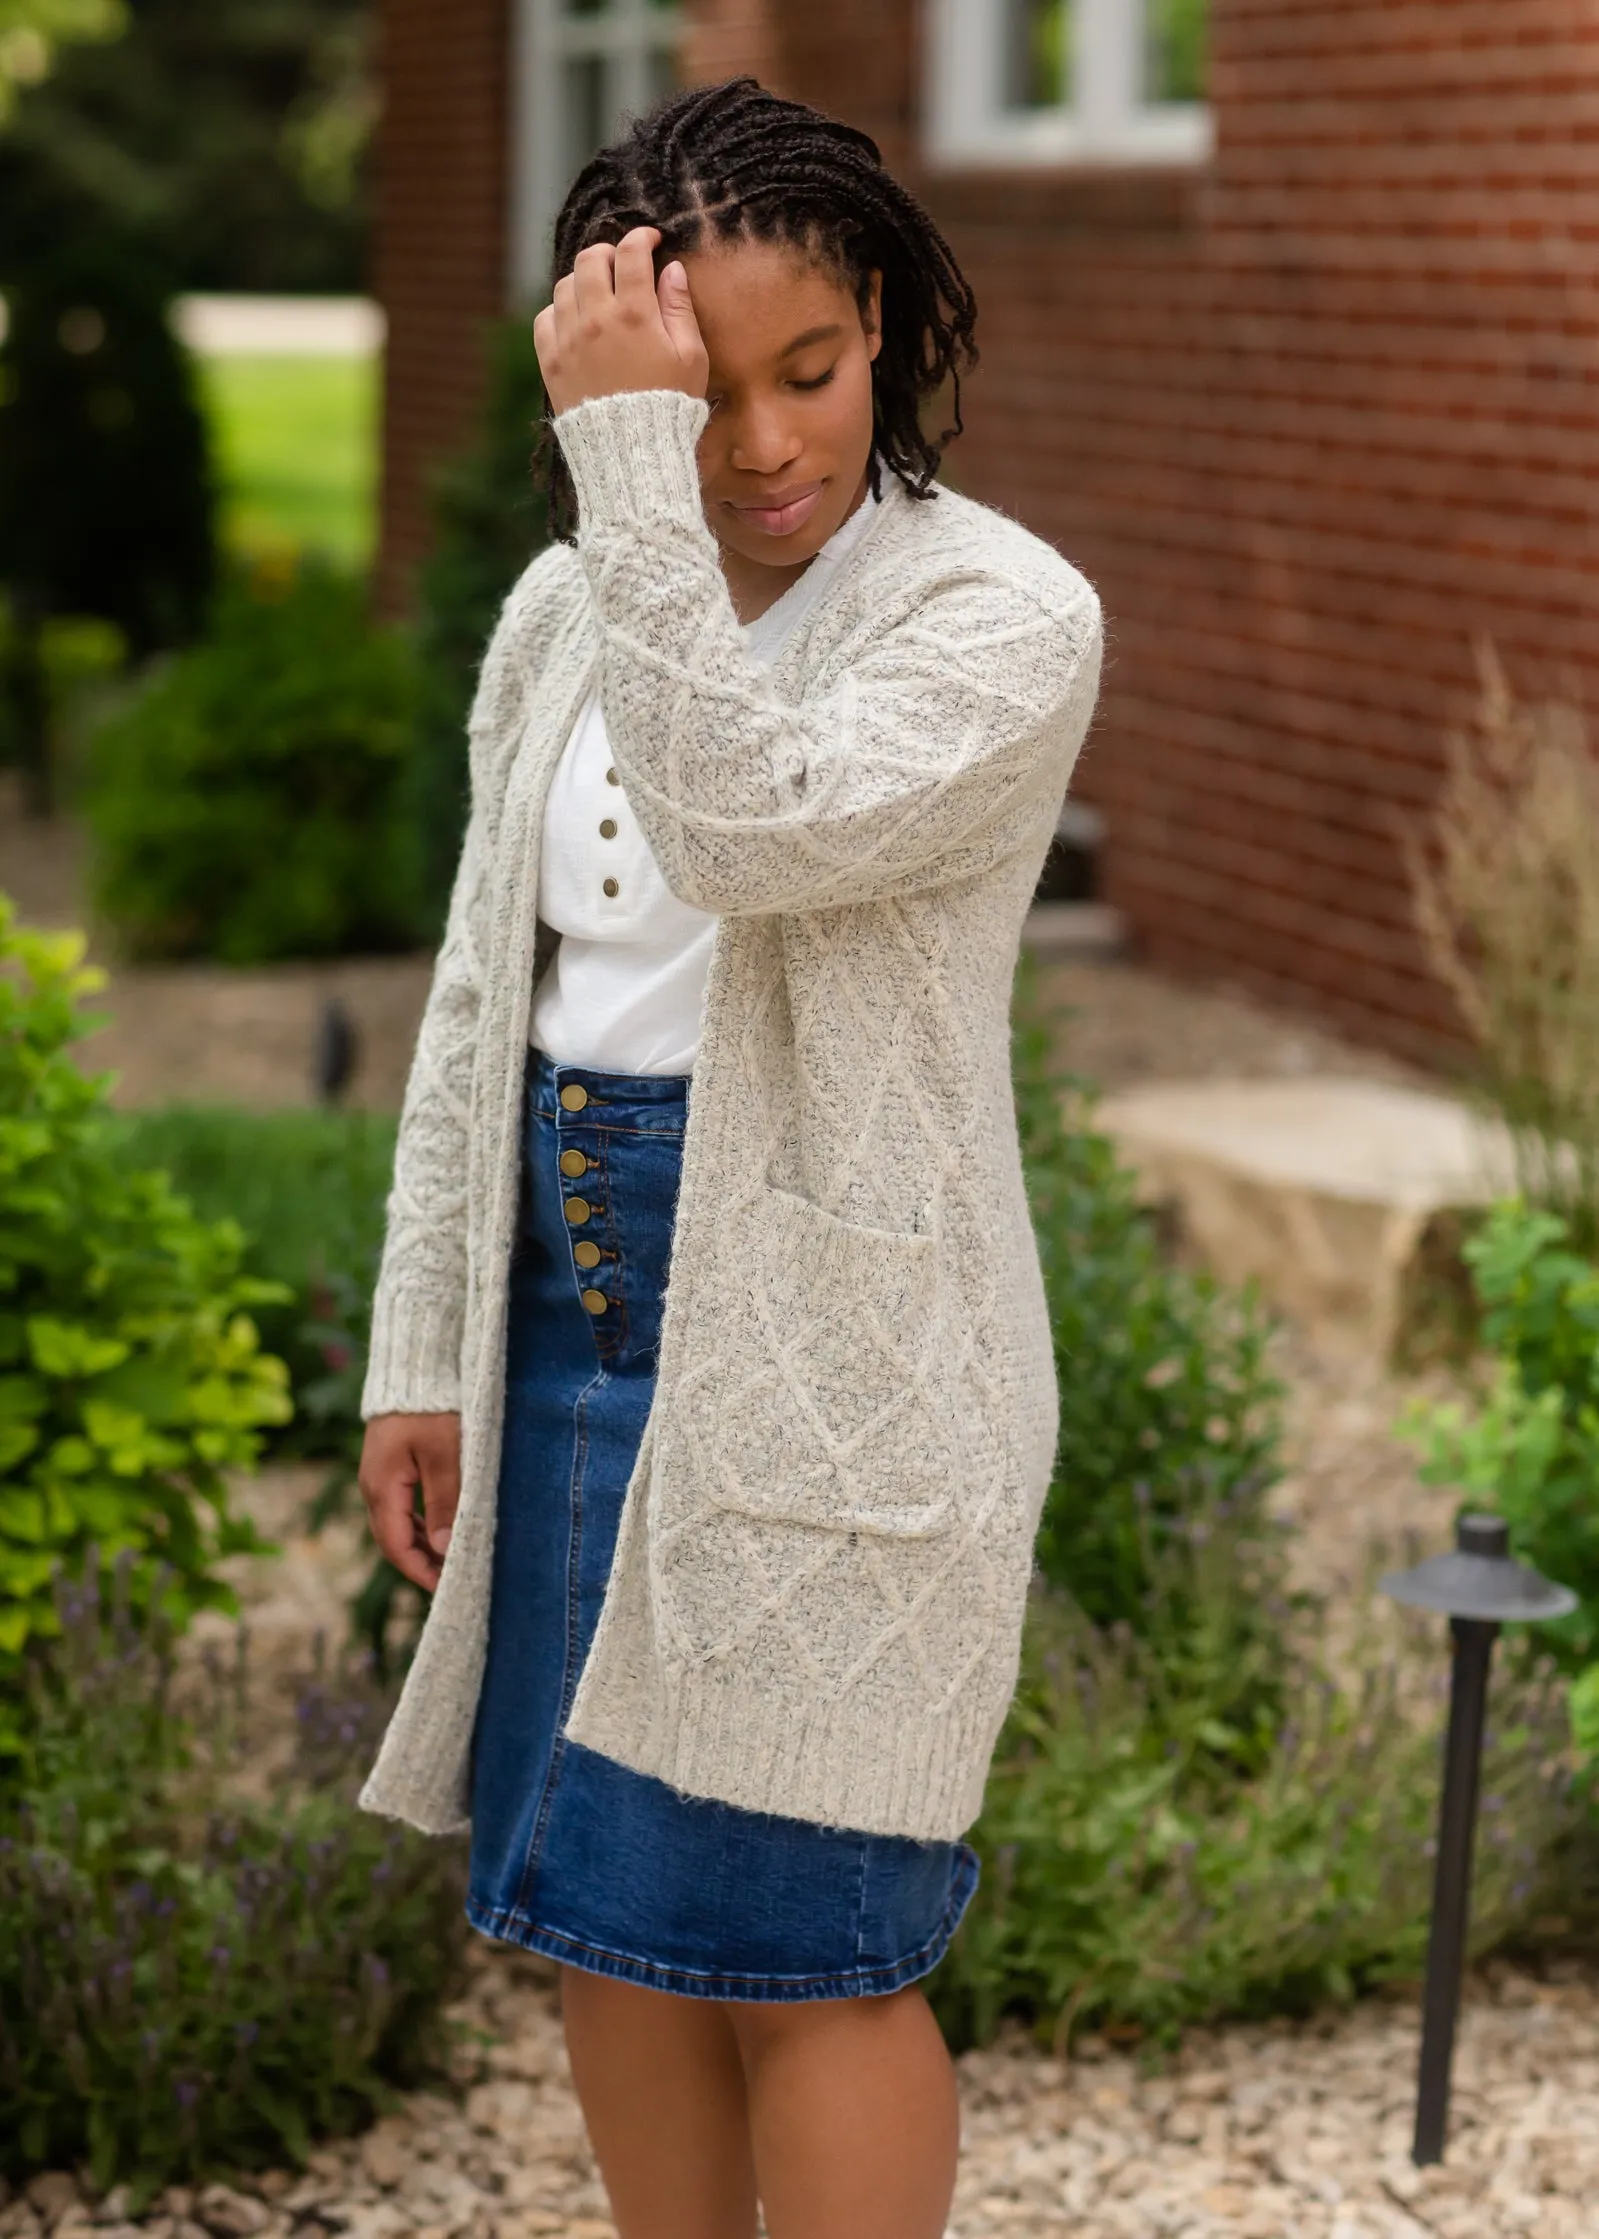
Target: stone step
{"x":1322,"y":1189}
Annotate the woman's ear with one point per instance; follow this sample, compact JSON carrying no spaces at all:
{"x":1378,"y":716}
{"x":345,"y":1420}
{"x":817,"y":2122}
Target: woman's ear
{"x":872,"y":314}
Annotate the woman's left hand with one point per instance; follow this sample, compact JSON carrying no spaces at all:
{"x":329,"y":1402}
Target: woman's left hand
{"x":612,"y":327}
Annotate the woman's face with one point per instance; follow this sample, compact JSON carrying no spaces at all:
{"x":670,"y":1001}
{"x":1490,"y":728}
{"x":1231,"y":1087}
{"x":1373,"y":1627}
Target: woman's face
{"x":784,"y":454}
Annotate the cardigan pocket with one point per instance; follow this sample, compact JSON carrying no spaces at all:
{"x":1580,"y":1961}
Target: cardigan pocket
{"x":827,"y":1399}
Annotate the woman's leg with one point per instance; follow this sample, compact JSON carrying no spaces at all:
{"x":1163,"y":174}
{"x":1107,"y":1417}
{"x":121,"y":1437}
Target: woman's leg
{"x":661,"y":2085}
{"x":853,"y":2116}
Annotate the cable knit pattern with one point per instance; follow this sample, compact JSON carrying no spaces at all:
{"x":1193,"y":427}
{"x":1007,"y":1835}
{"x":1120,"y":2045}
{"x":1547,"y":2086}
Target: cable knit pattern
{"x":817,"y":1596}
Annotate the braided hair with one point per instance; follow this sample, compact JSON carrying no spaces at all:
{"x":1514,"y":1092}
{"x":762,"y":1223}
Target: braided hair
{"x":733,"y":162}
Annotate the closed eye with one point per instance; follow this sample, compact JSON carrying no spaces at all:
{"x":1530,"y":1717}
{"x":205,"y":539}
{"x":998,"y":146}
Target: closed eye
{"x":820,"y":381}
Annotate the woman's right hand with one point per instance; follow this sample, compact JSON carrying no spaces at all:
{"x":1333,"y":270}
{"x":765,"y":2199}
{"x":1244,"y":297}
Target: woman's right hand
{"x":398,"y":1454}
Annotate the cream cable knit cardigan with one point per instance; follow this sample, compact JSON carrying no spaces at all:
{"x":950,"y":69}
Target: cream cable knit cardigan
{"x":817,"y":1597}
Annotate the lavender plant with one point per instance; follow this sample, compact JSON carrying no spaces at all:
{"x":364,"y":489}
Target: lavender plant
{"x":190,"y":1981}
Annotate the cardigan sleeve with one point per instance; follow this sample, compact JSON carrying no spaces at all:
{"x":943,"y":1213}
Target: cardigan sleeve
{"x":924,"y":761}
{"x":414,"y":1362}
{"x":419,"y":1307}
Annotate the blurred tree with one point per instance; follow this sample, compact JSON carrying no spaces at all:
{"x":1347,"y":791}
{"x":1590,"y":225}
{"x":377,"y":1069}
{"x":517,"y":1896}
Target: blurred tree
{"x":488,"y":521}
{"x":105,"y":485}
{"x":32,"y":30}
{"x":229,"y":136}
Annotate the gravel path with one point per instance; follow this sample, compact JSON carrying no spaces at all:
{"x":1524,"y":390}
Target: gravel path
{"x":1275,"y":2132}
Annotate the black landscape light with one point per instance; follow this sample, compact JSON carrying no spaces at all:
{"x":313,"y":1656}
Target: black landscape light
{"x":334,"y":1058}
{"x":1478,"y":1588}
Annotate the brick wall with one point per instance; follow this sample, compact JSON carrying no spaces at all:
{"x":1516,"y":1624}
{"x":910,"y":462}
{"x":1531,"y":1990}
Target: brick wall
{"x":440,"y":259}
{"x":1311,"y":420}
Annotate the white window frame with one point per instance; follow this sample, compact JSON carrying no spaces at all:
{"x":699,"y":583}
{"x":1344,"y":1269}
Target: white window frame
{"x":967,"y":121}
{"x":543,"y":38}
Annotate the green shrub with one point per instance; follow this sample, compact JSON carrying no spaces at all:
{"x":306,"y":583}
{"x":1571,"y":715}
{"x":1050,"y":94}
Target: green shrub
{"x":1530,"y":1451}
{"x":1186,"y":1818}
{"x":488,"y":522}
{"x":1146,"y":1863}
{"x":253,"y":802}
{"x":191,"y":1980}
{"x":1168,"y":1414}
{"x":131,"y":1375}
{"x":308,"y":1188}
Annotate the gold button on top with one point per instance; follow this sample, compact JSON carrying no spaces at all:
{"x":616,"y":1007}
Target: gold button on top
{"x":611,"y":778}
{"x":574,"y":1162}
{"x":577,"y":1210}
{"x":607,"y":827}
{"x":595,"y":1301}
{"x":586,"y":1254}
{"x":611,"y":886}
{"x":574,"y":1096}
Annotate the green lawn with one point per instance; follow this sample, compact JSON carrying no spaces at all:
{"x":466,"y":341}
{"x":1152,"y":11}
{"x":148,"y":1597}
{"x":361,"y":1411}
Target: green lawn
{"x":296,"y":452}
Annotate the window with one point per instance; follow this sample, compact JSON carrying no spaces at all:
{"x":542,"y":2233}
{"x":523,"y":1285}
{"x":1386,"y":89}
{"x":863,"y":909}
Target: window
{"x":580,"y":67}
{"x":1050,"y":81}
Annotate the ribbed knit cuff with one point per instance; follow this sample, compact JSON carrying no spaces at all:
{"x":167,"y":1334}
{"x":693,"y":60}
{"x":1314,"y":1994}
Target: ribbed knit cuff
{"x":414,"y":1365}
{"x":632,"y":456}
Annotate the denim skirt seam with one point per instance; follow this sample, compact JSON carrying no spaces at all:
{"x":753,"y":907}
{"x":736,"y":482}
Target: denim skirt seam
{"x":507,"y":1924}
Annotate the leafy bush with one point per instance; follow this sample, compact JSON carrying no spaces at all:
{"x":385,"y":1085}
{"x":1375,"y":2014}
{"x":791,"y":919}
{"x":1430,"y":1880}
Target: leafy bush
{"x":488,"y":522}
{"x":1185,"y":1817}
{"x":1168,"y":1412}
{"x":308,"y":1188}
{"x":190,"y":1979}
{"x":253,"y":802}
{"x":1530,"y":1451}
{"x":1149,"y":1863}
{"x":131,"y":1374}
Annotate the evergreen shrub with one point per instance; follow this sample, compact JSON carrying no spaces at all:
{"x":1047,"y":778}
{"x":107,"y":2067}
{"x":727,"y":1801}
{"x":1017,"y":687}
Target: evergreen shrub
{"x":131,"y":1373}
{"x":105,"y":478}
{"x":253,"y":802}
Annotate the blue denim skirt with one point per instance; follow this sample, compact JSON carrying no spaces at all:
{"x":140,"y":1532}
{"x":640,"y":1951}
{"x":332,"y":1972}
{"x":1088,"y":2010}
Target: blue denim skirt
{"x":573,"y":1854}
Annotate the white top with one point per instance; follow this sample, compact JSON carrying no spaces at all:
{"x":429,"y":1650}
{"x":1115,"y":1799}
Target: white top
{"x":625,"y":988}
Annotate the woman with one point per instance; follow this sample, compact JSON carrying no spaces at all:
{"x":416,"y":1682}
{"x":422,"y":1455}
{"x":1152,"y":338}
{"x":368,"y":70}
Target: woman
{"x":764,"y":769}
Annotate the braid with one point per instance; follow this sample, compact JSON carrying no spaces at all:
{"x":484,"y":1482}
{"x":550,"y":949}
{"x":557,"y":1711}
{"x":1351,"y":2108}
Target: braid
{"x":734,"y":162}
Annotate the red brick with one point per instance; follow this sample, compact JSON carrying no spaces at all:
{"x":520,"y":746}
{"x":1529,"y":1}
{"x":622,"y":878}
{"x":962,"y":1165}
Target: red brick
{"x":1314,"y":418}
